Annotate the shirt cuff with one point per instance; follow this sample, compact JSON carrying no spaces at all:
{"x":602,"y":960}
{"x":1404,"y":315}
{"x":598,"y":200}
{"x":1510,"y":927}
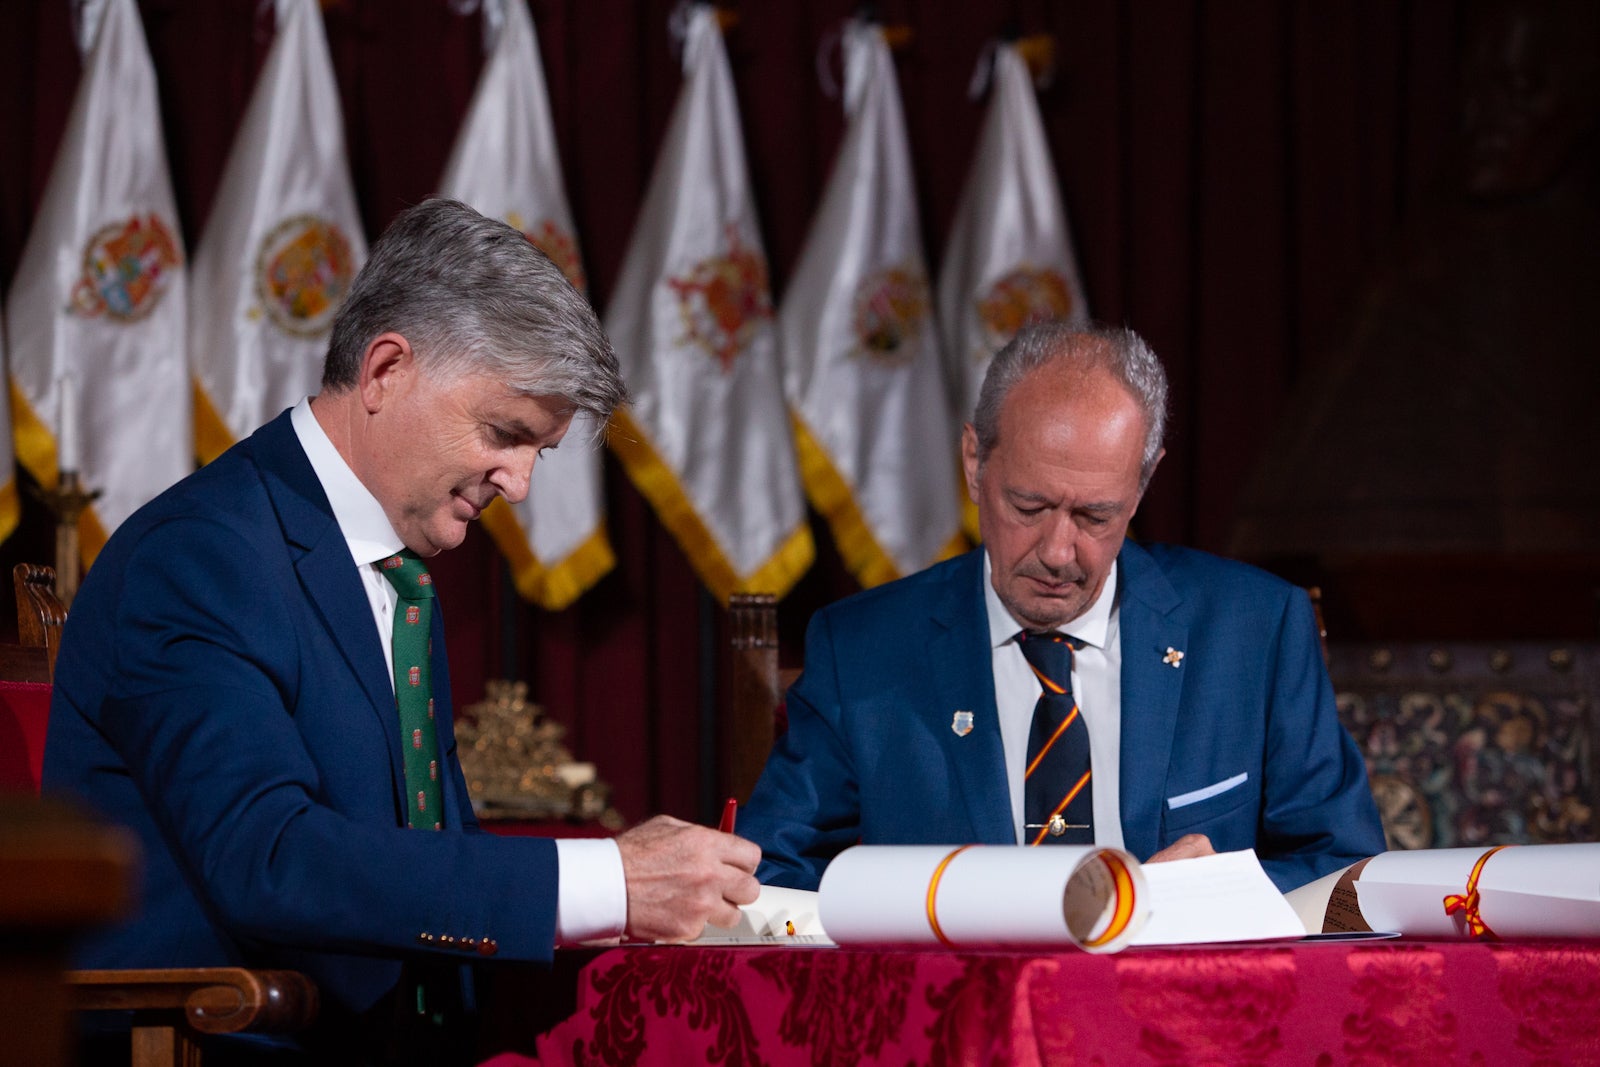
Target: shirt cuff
{"x":591,"y":893}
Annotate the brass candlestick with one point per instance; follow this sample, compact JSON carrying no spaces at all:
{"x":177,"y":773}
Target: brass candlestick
{"x":66,"y":502}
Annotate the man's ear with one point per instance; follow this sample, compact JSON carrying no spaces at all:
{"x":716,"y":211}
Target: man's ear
{"x":969,"y":459}
{"x":387,"y":366}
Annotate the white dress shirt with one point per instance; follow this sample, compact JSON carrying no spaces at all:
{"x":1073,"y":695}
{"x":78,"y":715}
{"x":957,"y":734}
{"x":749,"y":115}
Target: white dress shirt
{"x":1096,"y":683}
{"x":592,"y":897}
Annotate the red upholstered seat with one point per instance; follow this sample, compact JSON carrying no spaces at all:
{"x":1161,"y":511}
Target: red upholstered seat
{"x":24,"y":714}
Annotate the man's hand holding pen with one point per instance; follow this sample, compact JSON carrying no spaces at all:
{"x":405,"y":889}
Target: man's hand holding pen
{"x":681,"y":876}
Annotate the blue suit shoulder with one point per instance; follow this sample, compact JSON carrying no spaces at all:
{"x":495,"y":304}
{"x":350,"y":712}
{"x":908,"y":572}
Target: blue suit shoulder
{"x":1197,"y":574}
{"x":892,"y":600}
{"x":230,"y":491}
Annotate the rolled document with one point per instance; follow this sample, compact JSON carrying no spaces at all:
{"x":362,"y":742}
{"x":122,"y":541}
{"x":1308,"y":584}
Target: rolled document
{"x":1094,"y":898}
{"x":1512,"y":891}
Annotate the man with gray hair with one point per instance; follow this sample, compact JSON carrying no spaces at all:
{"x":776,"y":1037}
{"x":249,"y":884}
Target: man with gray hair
{"x":1063,"y":684}
{"x":253,"y":677}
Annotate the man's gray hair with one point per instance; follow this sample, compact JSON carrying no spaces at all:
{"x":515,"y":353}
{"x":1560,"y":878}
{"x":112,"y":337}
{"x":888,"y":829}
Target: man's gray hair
{"x":474,"y":295}
{"x":1114,"y":349}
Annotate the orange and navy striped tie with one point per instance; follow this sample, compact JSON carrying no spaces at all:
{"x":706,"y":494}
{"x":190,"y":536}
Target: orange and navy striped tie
{"x":1058,"y":803}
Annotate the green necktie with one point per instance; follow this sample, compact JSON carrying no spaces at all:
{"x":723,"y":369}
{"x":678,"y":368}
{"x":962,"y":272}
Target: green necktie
{"x":413,"y":687}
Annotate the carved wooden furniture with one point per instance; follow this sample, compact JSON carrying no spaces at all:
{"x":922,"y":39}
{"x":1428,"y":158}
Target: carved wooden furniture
{"x":60,"y":875}
{"x":757,"y":686}
{"x":171,"y":1008}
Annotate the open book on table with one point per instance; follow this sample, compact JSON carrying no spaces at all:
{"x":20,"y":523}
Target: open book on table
{"x":1505,"y":891}
{"x":1096,"y":899}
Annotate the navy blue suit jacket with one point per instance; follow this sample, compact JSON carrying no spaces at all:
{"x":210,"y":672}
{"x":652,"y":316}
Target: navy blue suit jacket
{"x":222,"y":691}
{"x":870,"y":755}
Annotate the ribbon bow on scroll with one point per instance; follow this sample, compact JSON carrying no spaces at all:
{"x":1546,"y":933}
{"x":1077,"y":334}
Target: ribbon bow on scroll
{"x":1466,"y":904}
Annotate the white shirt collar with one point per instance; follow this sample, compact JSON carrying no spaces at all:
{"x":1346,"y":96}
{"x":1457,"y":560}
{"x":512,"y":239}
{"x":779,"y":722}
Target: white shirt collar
{"x":1090,"y":628}
{"x":361,"y":518}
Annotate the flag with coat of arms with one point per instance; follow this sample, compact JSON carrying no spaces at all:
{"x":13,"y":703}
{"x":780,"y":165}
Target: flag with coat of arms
{"x":281,"y":247}
{"x":505,"y":164}
{"x":96,"y":310}
{"x":862,"y":365}
{"x":707,"y":438}
{"x":1009,"y":260}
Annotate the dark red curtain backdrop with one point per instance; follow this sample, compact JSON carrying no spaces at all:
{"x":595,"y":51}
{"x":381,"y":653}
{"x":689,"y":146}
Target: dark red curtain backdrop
{"x":1230,"y":169}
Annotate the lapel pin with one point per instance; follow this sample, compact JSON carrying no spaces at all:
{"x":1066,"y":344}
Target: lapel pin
{"x":1174,"y":657}
{"x":961,"y":725}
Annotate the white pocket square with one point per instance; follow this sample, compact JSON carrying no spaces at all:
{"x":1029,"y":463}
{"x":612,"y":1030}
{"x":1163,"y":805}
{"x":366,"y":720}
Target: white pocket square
{"x":1183,"y":800}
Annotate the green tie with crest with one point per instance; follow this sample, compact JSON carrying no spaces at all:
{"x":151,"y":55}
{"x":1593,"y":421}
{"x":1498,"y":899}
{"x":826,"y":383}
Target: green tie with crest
{"x":413,"y":687}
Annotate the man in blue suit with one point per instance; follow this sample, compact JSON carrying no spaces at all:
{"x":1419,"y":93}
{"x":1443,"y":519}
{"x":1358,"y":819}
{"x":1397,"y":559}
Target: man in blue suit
{"x":226,"y":684}
{"x":1201,"y":714}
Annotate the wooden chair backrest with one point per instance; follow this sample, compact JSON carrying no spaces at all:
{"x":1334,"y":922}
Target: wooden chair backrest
{"x":26,"y":672}
{"x":40,"y":613}
{"x":757,"y":686}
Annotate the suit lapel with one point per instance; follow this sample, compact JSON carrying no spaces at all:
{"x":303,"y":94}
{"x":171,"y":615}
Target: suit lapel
{"x":1151,"y":623}
{"x":327,"y":574}
{"x":960,"y":664}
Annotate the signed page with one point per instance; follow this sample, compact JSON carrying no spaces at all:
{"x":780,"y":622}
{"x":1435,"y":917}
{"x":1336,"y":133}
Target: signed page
{"x":1225,"y":897}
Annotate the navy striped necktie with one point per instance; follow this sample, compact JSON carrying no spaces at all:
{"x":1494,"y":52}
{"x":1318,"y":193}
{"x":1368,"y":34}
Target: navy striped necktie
{"x":1058,"y":802}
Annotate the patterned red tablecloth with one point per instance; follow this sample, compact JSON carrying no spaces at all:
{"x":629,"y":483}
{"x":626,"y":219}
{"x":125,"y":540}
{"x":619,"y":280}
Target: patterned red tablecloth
{"x":1366,"y":1003}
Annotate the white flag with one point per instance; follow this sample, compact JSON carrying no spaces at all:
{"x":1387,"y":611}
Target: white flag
{"x":1009,"y":261}
{"x":504,"y":163}
{"x":10,"y":506}
{"x":98,"y":302}
{"x":707,"y":440}
{"x":281,"y":247}
{"x":863,"y":370}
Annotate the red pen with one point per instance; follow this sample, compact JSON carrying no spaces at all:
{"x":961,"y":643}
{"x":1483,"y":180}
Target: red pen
{"x":728,"y":811}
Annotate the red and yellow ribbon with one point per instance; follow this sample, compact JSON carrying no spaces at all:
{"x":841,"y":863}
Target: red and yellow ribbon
{"x":1123,"y":899}
{"x":1466,"y":904}
{"x":933,"y":894}
{"x":1123,"y":896}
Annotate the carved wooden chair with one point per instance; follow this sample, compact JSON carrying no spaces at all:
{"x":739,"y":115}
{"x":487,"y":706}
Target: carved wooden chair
{"x":756,"y":691}
{"x":171,"y":1007}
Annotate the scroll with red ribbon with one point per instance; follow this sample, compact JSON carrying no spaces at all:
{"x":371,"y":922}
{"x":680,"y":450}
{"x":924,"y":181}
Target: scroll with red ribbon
{"x":1496,"y":892}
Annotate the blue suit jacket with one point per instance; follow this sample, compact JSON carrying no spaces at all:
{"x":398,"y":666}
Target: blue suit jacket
{"x":870,"y":755}
{"x":222,"y":691}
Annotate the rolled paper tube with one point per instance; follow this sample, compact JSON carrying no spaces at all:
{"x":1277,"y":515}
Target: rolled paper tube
{"x":1085,"y":896}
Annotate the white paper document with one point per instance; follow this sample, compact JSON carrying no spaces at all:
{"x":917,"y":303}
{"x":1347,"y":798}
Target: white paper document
{"x":778,"y":916}
{"x":1225,"y":897}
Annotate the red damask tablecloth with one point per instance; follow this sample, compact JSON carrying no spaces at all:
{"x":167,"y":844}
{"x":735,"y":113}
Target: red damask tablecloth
{"x":1357,"y":1003}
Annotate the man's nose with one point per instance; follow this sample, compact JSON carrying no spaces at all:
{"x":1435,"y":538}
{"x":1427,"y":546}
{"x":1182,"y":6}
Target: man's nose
{"x":511,"y":478}
{"x":1058,"y":543}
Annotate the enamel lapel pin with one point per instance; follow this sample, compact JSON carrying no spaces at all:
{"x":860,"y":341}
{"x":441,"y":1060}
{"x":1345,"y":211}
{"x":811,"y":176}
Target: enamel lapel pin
{"x":961,"y":725}
{"x":1174,"y":657}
